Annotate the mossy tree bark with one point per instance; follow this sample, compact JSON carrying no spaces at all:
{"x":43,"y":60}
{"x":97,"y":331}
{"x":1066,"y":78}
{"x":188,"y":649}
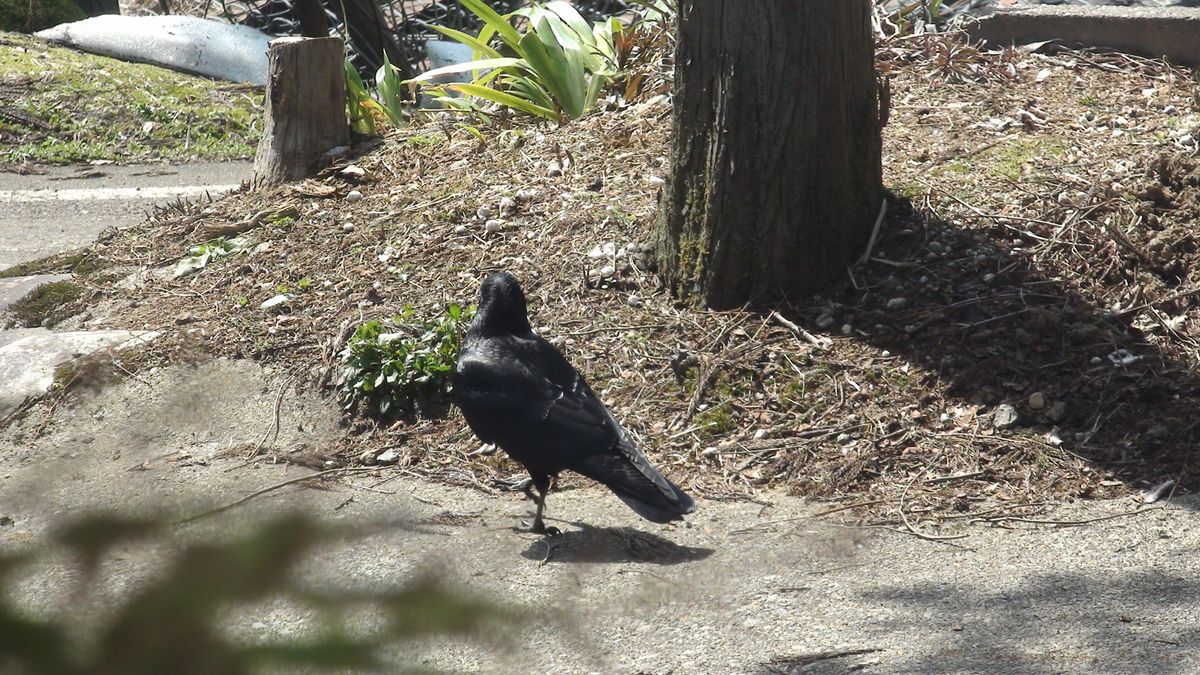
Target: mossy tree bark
{"x":776,"y":175}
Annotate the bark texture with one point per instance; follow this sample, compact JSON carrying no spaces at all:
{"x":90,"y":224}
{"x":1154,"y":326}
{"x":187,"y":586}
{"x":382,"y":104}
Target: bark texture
{"x":306,"y":107}
{"x":776,"y":174}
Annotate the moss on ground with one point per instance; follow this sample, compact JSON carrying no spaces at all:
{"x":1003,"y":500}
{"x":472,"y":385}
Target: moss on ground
{"x":46,"y":305}
{"x":96,"y":108}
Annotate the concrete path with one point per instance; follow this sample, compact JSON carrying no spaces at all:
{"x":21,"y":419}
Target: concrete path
{"x":66,"y":207}
{"x":746,"y":587}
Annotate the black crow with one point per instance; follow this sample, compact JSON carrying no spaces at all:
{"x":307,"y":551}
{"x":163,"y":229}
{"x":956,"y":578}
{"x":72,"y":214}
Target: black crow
{"x":519,"y":393}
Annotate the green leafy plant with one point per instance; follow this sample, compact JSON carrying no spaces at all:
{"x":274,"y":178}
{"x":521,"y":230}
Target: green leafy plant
{"x":177,"y":622}
{"x":561,"y":62}
{"x":201,"y":255}
{"x":404,"y":362}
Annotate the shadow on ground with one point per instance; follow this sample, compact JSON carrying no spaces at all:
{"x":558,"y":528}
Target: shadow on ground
{"x":982,"y":314}
{"x":611,"y":545}
{"x":973,"y":630}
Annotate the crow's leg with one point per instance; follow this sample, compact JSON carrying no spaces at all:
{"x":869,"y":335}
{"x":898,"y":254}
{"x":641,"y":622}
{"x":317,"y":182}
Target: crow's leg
{"x":542,"y":485}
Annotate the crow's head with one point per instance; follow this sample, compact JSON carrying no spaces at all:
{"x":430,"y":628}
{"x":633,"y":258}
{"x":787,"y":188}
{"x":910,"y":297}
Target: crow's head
{"x":501,"y":306}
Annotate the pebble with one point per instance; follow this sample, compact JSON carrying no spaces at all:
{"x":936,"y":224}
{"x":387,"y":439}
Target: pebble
{"x":354,"y":196}
{"x":492,"y":226}
{"x":844,"y":438}
{"x":1037,"y":400}
{"x":347,"y":227}
{"x":634,"y":301}
{"x":507,"y":205}
{"x":353,"y":171}
{"x":760,"y":434}
{"x":847,"y":328}
{"x":825,"y":321}
{"x":554,"y":169}
{"x":656,"y":181}
{"x":526,"y":194}
{"x":484,"y":212}
{"x":460,"y":229}
{"x":281,"y":299}
{"x":367,"y":457}
{"x":607,"y":271}
{"x":1005,"y":416}
{"x":897,"y":303}
{"x":388,"y":457}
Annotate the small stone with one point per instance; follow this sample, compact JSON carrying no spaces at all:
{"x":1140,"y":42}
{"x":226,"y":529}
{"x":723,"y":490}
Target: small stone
{"x":825,"y":321}
{"x":634,"y":301}
{"x":760,"y":434}
{"x":1005,"y":416}
{"x":656,"y":181}
{"x":347,"y":227}
{"x":847,"y":329}
{"x":554,"y":169}
{"x":507,"y":205}
{"x":1043,"y":75}
{"x":607,"y":271}
{"x":492,"y":226}
{"x":354,"y":196}
{"x":844,"y":438}
{"x":278,"y":300}
{"x":897,"y":303}
{"x":484,"y":212}
{"x":353,"y":171}
{"x":460,"y":229}
{"x":389,"y":456}
{"x":526,"y":194}
{"x":989,"y":278}
{"x":367,"y":458}
{"x":1037,"y":400}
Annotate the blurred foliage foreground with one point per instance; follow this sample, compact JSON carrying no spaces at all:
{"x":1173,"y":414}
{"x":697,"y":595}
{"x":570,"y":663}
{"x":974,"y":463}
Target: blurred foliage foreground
{"x":173,"y":623}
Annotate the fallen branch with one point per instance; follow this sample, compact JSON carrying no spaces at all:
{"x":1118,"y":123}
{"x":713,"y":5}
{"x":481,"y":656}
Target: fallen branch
{"x":272,"y":488}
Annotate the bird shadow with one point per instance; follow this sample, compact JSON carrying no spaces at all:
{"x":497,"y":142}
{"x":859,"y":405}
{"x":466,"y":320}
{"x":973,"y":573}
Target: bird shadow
{"x":590,"y":544}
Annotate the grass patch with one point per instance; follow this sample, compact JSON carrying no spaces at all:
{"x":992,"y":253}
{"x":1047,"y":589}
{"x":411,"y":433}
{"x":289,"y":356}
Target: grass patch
{"x":81,"y":263}
{"x":1009,"y":160}
{"x":46,"y":305}
{"x":100,"y":108}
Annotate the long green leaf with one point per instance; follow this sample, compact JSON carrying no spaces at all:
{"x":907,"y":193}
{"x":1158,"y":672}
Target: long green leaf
{"x":504,"y":99}
{"x":493,"y":21}
{"x":482,"y":49}
{"x":455,"y":68}
{"x":560,"y":68}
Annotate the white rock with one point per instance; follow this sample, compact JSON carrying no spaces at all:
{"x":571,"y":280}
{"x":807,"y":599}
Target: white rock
{"x":760,"y":434}
{"x":607,"y":271}
{"x":494,"y":225}
{"x":1005,"y":416}
{"x":634,"y":301}
{"x":354,"y":196}
{"x":1037,"y":400}
{"x":656,"y":181}
{"x":353,"y":171}
{"x":554,"y":169}
{"x":507,"y":205}
{"x":281,"y":299}
{"x":389,"y":456}
{"x":526,"y":194}
{"x":897,"y":303}
{"x":484,"y":212}
{"x":347,"y":227}
{"x":460,"y":229}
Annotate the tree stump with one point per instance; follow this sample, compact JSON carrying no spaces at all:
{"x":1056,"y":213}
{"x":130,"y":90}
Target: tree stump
{"x":306,"y":107}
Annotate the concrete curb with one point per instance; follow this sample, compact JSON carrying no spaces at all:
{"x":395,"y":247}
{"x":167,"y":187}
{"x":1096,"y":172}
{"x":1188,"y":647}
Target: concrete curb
{"x":1170,"y":32}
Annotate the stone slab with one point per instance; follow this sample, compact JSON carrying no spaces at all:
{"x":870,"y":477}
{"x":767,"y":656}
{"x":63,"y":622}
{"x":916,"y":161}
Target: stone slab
{"x":1171,"y":32}
{"x":186,"y":43}
{"x":14,"y":288}
{"x":29,"y":357}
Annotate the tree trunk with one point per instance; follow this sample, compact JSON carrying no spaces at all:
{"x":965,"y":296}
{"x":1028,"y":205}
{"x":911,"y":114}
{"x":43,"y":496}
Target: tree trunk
{"x":776,"y":160}
{"x":306,"y":107}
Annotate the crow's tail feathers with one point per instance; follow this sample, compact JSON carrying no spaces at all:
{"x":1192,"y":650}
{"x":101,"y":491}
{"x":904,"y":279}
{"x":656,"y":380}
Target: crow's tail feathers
{"x":653,"y":504}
